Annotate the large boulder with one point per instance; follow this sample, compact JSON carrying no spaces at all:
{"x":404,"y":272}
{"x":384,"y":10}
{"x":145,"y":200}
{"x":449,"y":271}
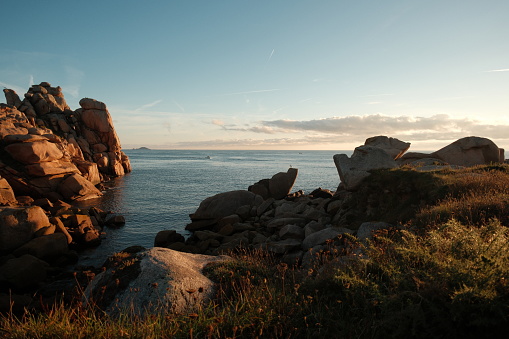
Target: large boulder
{"x":34,"y":152}
{"x":23,"y":272}
{"x":44,"y":247}
{"x":18,"y":225}
{"x":352,"y":170}
{"x":277,"y":187}
{"x":225,"y":204}
{"x":158,"y":280}
{"x":470,"y":151}
{"x":394,"y":147}
{"x":77,"y":188}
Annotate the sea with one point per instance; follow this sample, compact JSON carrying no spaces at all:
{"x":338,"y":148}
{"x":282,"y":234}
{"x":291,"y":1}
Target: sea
{"x":165,"y":186}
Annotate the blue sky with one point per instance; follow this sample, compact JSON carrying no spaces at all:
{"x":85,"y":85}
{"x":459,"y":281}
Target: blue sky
{"x":238,"y":74}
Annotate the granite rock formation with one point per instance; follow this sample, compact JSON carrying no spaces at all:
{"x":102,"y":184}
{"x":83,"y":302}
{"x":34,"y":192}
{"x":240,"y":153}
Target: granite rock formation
{"x":48,"y":150}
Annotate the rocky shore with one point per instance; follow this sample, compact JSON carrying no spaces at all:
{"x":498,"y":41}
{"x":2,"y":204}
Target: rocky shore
{"x":50,"y":157}
{"x":296,"y":228}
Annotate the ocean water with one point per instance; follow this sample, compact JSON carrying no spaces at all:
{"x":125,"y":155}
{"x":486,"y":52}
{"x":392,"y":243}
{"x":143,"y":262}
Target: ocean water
{"x":165,"y":186}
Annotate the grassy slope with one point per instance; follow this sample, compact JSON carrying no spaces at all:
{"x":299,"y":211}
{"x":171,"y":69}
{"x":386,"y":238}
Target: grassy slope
{"x":450,"y":279}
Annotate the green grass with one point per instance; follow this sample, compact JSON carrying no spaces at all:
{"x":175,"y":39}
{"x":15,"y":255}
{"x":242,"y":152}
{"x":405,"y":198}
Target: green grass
{"x":445,"y":274}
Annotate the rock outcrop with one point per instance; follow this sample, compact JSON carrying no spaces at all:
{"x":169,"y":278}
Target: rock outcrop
{"x":352,"y":170}
{"x":157,"y":280}
{"x":45,"y":146}
{"x":48,"y":154}
{"x":468,"y":151}
{"x":277,"y":187}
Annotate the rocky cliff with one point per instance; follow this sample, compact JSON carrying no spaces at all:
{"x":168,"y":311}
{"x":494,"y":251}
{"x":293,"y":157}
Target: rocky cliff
{"x":49,"y":150}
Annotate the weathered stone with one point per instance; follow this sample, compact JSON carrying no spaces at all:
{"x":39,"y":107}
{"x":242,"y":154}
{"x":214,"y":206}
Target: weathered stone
{"x":44,"y":231}
{"x":167,"y":237}
{"x":394,"y":147}
{"x":264,"y":206}
{"x":469,"y":151}
{"x":75,"y":187}
{"x":365,"y":158}
{"x":280,"y":222}
{"x":158,"y":280}
{"x":51,"y":168}
{"x":24,"y":271}
{"x":277,"y":187}
{"x":18,"y":225}
{"x":34,"y":152}
{"x":291,"y":232}
{"x":6,"y":193}
{"x":225,"y":204}
{"x":312,"y":227}
{"x":44,"y":247}
{"x":12,"y":98}
{"x":320,"y":237}
{"x":87,"y":103}
{"x":115,"y":221}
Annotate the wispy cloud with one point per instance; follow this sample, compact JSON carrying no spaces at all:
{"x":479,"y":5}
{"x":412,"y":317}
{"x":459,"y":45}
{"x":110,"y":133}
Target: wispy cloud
{"x":179,"y":105}
{"x":271,"y":54}
{"x":251,"y":92}
{"x":74,"y":78}
{"x":17,"y":89}
{"x":146,"y":106}
{"x":498,"y":70}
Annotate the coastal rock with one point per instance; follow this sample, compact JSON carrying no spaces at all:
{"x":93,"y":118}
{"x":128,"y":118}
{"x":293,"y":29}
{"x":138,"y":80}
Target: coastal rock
{"x":364,"y":158}
{"x":47,"y":246}
{"x":77,"y":188}
{"x":6,"y":193}
{"x":225,"y":204}
{"x":470,"y":151}
{"x":157,"y":280}
{"x":12,"y":98}
{"x":45,"y":140}
{"x":34,"y":152}
{"x":321,"y":237}
{"x":24,"y":271}
{"x":167,"y":237}
{"x":394,"y":147}
{"x":277,"y":187}
{"x":18,"y":225}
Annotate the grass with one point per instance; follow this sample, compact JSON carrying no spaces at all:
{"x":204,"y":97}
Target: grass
{"x":444,"y":275}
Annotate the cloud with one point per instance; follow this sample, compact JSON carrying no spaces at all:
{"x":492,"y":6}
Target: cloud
{"x":251,"y":92}
{"x":218,"y":122}
{"x":146,"y":106}
{"x":271,"y":54}
{"x":17,"y":89}
{"x":498,"y":70}
{"x":436,"y":127}
{"x":74,"y":78}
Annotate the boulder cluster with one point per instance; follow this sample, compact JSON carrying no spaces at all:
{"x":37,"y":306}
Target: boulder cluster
{"x":50,"y":157}
{"x":296,"y":226}
{"x":48,"y":150}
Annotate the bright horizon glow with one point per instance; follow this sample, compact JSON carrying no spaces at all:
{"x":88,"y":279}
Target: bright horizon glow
{"x":285,"y":75}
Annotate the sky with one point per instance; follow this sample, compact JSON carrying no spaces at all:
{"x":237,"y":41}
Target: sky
{"x":278,"y":74}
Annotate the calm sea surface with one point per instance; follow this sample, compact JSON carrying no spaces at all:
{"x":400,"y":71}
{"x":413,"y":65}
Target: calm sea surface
{"x":165,"y":186}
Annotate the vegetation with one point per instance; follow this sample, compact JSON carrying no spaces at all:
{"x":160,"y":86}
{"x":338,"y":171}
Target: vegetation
{"x":443,"y":274}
